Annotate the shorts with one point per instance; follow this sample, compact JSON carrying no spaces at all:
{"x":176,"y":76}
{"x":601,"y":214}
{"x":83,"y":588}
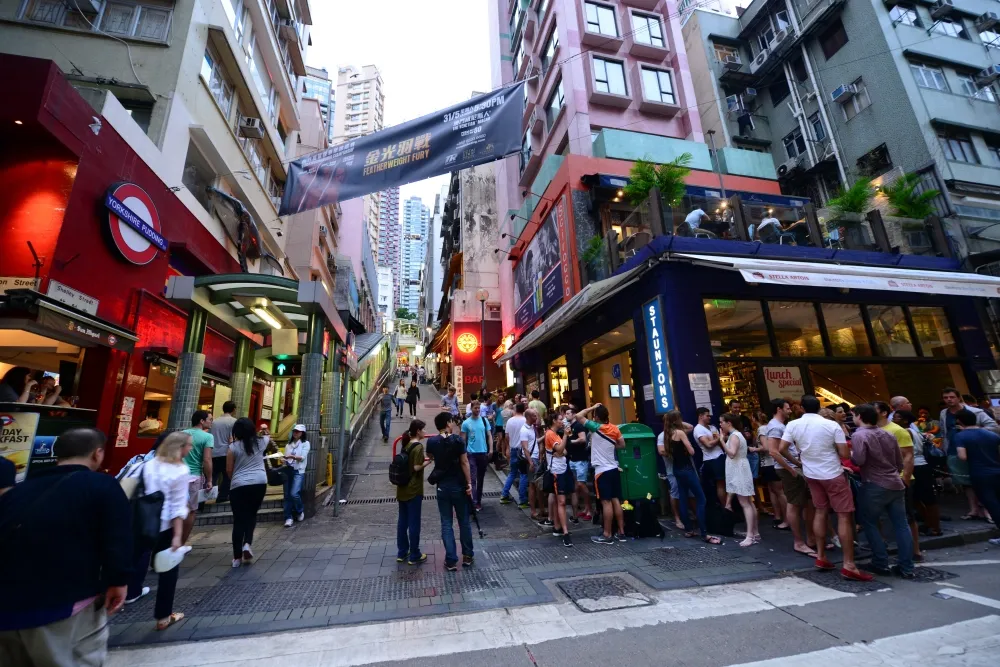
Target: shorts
{"x":754,"y":466}
{"x":675,"y":491}
{"x":581,"y":470}
{"x":832,"y":494}
{"x":562,"y":484}
{"x":608,"y":485}
{"x":909,"y":502}
{"x":769,"y":474}
{"x":959,"y":470}
{"x":924,"y":491}
{"x":548,"y":483}
{"x":196,"y":485}
{"x":714,"y":470}
{"x":795,"y":487}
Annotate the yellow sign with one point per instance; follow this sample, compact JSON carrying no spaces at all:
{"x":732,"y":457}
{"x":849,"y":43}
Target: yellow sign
{"x":505,"y":345}
{"x":467,"y":343}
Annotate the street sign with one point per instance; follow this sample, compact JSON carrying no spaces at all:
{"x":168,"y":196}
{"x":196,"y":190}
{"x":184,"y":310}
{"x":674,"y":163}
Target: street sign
{"x":288,"y":369}
{"x":616,"y":371}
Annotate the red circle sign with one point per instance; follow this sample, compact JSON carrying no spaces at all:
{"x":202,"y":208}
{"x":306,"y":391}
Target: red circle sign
{"x":131,"y":244}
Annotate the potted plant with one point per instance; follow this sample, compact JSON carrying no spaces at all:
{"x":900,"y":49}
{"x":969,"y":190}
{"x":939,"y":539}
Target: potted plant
{"x":907,"y":208}
{"x":593,"y":252}
{"x":850,"y":204}
{"x":669,"y":178}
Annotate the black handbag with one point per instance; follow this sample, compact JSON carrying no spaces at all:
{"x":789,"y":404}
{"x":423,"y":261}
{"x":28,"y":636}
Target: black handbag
{"x":146,"y":510}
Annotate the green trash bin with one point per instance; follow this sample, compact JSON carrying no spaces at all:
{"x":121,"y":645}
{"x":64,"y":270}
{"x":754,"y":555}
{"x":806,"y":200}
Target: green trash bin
{"x":640,"y":479}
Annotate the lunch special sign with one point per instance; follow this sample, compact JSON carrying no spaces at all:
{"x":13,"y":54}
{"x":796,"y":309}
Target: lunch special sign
{"x":783,"y":382}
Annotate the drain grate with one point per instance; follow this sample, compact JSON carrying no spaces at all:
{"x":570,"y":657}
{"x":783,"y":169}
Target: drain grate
{"x":676,"y":560}
{"x":832,"y":579}
{"x":581,"y":552}
{"x":592,"y":594}
{"x":392,"y":499}
{"x":929,"y":574}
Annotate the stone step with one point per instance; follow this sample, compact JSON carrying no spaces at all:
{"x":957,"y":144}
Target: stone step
{"x":222,"y":518}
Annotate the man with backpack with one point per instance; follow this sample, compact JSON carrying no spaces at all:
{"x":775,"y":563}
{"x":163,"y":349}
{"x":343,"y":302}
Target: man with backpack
{"x":406,"y":472}
{"x":478,"y":442}
{"x":66,"y":548}
{"x":453,"y":479}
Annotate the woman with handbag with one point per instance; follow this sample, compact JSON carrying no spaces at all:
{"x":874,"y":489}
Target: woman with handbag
{"x":245,"y":468}
{"x":167,"y":473}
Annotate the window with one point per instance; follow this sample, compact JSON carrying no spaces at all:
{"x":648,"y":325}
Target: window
{"x":795,"y":144}
{"x":778,"y":91}
{"x":515,"y":20}
{"x":525,"y":153}
{"x":833,"y":39}
{"x":799,"y":70}
{"x":646,"y":29}
{"x":765,"y":37}
{"x":990,"y":38}
{"x":518,"y":59}
{"x":601,"y":19}
{"x":929,"y":77}
{"x":796,"y":329}
{"x":933,"y":332}
{"x":905,"y":15}
{"x":846,"y":330}
{"x":140,"y":112}
{"x":994,"y":148}
{"x":970,"y":89}
{"x":736,"y":328}
{"x":818,"y":130}
{"x":892,"y":335}
{"x":218,"y":83}
{"x":118,"y":19}
{"x":198,"y":175}
{"x":781,"y":21}
{"x":554,"y":106}
{"x":609,"y":76}
{"x":957,"y":147}
{"x":951,"y":28}
{"x":657,"y":86}
{"x":551,"y":45}
{"x":859,"y":102}
{"x":726,"y":54}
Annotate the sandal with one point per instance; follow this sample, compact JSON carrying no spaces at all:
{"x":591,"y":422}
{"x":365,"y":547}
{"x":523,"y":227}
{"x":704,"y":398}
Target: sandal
{"x":712,"y":539}
{"x":175,"y":617}
{"x":810,"y":552}
{"x":691,"y":534}
{"x":970,"y":517}
{"x":777,"y":525}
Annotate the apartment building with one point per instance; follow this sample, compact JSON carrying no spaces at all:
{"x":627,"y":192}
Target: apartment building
{"x":837,"y":90}
{"x":385,"y":309}
{"x":317,"y":85}
{"x":389,"y":239}
{"x":416,"y":219}
{"x":203,"y":90}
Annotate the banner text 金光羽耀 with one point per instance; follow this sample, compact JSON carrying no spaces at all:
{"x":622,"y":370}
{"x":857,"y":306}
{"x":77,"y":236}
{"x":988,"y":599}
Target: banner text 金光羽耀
{"x":482,"y":129}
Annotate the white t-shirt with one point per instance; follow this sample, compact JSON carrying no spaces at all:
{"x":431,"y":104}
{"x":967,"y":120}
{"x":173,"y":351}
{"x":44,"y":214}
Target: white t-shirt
{"x":529,"y":441}
{"x":816,"y":439}
{"x":512,"y":427}
{"x":709,"y":431}
{"x":602,"y":453}
{"x":770,"y":221}
{"x":693,"y":218}
{"x":776,"y":429}
{"x":558,"y":465}
{"x":766,"y":460}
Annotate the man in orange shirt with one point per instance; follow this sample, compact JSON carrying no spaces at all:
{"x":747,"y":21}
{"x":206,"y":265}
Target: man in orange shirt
{"x":607,"y":477}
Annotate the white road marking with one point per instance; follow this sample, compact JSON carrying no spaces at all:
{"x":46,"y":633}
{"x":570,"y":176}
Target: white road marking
{"x":958,"y":563}
{"x":971,"y":597}
{"x":971,"y":643}
{"x":428,"y":637}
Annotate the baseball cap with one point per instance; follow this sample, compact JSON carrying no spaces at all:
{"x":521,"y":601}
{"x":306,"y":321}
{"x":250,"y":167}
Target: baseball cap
{"x":299,"y":427}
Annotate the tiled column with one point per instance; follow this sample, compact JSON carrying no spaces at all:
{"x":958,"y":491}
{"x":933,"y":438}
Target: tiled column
{"x":310,"y":389}
{"x":190,"y":366}
{"x":330,"y":405}
{"x":341,"y":377}
{"x":242,"y":377}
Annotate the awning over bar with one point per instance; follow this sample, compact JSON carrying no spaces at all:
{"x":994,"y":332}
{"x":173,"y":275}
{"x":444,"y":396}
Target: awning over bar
{"x":28,"y":310}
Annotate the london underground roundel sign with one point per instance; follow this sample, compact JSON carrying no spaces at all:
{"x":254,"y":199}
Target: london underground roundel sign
{"x":134,"y":223}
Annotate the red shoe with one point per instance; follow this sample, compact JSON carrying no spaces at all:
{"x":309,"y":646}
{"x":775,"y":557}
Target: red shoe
{"x":855,"y":576}
{"x":823,"y":564}
{"x":586,"y":516}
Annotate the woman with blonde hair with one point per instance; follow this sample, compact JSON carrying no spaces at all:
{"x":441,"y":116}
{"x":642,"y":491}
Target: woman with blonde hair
{"x":168,"y":474}
{"x":739,"y":476}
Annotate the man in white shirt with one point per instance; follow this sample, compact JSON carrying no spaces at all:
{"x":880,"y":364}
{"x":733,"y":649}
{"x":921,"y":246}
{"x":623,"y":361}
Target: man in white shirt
{"x":822,"y":444}
{"x":793,"y":484}
{"x":512,"y":428}
{"x":694,"y":219}
{"x":713,"y":467}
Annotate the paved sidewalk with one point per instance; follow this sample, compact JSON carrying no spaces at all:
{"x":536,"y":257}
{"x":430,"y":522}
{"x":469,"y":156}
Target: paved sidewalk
{"x":340,"y":570}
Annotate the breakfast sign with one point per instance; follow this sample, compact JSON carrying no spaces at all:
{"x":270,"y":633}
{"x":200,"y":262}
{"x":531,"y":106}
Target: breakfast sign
{"x":17,"y":439}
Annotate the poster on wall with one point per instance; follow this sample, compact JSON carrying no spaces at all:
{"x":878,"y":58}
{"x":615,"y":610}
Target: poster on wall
{"x":460,"y":383}
{"x":538,"y":277}
{"x":17,"y":438}
{"x":783,"y":382}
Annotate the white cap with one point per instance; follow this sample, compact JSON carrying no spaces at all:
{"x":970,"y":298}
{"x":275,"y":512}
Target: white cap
{"x":299,"y":427}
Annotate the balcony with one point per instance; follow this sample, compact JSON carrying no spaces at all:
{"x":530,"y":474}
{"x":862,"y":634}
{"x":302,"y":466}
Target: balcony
{"x":814,"y":14}
{"x":736,"y":74}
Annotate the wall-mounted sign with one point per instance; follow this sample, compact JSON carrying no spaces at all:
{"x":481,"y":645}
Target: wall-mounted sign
{"x":467,"y":343}
{"x":783,"y":382}
{"x":17,"y":282}
{"x":460,"y":384}
{"x":538,"y":276}
{"x":72,"y":297}
{"x":656,"y":348}
{"x":134,"y":223}
{"x":504,"y":345}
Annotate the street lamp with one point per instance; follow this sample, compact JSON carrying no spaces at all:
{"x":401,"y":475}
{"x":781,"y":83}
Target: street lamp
{"x":482,"y":295}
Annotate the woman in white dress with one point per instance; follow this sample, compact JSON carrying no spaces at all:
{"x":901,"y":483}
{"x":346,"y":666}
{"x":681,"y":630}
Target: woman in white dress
{"x":739,"y":477}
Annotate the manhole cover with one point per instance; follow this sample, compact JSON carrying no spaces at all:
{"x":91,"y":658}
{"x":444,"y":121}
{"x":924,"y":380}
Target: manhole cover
{"x":928,"y":574}
{"x":592,"y":594}
{"x":675,"y":560}
{"x":832,"y":579}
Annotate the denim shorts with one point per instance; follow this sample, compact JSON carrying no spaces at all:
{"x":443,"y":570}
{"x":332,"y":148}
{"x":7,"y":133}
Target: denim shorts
{"x":581,"y":470}
{"x":675,"y":491}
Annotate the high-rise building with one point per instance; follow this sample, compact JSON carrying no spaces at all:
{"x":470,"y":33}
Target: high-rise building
{"x":389,"y":233}
{"x":416,"y":219}
{"x":317,"y":85}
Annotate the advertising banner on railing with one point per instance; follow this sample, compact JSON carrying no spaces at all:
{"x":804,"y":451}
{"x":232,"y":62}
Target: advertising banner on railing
{"x":482,"y":129}
{"x":538,"y":277}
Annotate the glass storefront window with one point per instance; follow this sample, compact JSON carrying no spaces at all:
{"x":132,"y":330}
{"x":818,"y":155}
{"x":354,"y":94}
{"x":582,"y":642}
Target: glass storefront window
{"x":846,"y":329}
{"x":796,"y":329}
{"x":603,"y":387}
{"x":933,"y":332}
{"x":558,"y":381}
{"x":892,"y":335}
{"x":736,"y":328}
{"x":621,"y":336}
{"x":160,"y":393}
{"x":850,"y":383}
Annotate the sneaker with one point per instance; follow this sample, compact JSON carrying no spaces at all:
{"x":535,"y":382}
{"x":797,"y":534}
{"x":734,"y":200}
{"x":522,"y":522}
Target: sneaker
{"x":451,"y":567}
{"x":619,"y":537}
{"x":467,"y":561}
{"x":505,"y":500}
{"x":237,"y":562}
{"x":557,"y":533}
{"x":523,"y":506}
{"x":879,"y":570}
{"x":575,"y":520}
{"x":994,"y":541}
{"x":479,"y":508}
{"x":567,"y":540}
{"x":898,"y":571}
{"x":288,"y":523}
{"x":144,"y":591}
{"x":600,"y":539}
{"x":419,"y":561}
{"x":400,"y":559}
{"x":247,"y":553}
{"x":544,"y":523}
{"x":302,"y":516}
{"x":586,"y":516}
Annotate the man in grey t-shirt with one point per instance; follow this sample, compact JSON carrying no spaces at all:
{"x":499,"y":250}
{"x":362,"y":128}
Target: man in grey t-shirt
{"x":222,"y":433}
{"x":789,"y":469}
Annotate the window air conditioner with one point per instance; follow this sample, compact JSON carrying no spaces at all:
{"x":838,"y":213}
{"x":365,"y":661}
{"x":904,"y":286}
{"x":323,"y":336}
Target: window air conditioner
{"x":251,"y":128}
{"x":286,"y":28}
{"x":942,"y":9}
{"x":988,"y":76}
{"x":749,"y":94}
{"x":843,"y":93}
{"x":779,"y":38}
{"x":987,"y":21}
{"x":732,"y":65}
{"x":322,"y":230}
{"x":759,"y":60}
{"x":787,"y":167}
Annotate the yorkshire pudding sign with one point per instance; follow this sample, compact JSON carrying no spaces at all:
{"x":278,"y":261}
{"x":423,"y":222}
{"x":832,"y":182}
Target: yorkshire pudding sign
{"x":133,"y":223}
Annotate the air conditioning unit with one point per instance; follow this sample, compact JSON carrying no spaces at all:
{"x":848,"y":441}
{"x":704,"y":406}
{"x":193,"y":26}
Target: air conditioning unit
{"x":251,"y":128}
{"x":789,"y":166}
{"x":987,"y":21}
{"x":843,"y":93}
{"x":749,"y":94}
{"x":322,"y":230}
{"x":942,"y":9}
{"x":732,"y":65}
{"x":917,"y":239}
{"x":779,"y":38}
{"x":759,"y":60}
{"x":988,"y":76}
{"x":286,"y":28}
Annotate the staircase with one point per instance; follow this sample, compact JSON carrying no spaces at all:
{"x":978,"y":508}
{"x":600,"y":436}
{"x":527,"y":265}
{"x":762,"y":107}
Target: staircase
{"x":220,"y":514}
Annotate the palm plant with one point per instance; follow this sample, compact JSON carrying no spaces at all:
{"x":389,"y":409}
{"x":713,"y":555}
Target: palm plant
{"x":855,"y":200}
{"x":594,"y":249}
{"x":669,"y":178}
{"x":904,"y":200}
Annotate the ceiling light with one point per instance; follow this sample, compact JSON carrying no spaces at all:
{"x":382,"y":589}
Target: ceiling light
{"x":621,"y":192}
{"x":17,"y":122}
{"x":268,"y":318}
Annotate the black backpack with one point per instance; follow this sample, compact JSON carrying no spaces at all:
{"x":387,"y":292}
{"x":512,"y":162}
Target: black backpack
{"x":146,"y":510}
{"x":401,"y":470}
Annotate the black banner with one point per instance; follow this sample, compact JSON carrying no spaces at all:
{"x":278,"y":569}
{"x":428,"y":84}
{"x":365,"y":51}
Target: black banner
{"x":482,"y":129}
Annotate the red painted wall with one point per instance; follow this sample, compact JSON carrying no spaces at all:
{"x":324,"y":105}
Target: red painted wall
{"x":472,"y":362}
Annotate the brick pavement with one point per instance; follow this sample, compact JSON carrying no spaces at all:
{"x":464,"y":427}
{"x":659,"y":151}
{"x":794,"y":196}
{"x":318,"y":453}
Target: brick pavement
{"x":340,"y":570}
